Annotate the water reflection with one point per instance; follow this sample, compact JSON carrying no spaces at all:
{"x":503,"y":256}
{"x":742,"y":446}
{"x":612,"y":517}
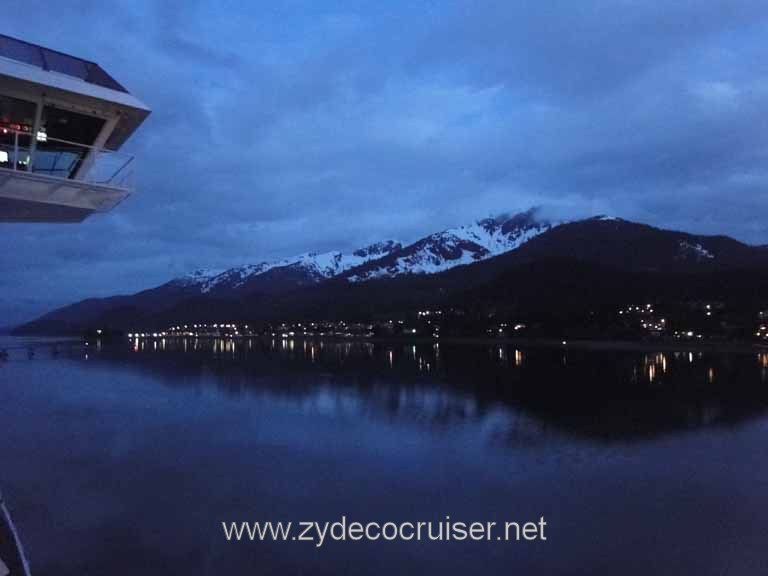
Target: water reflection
{"x":178,"y":434}
{"x":604,"y":395}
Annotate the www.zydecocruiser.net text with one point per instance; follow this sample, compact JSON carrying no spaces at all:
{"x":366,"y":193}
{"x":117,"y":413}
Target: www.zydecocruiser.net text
{"x":344,"y":530}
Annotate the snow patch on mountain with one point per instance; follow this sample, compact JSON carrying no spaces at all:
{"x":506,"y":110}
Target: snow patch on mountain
{"x":696,"y":251}
{"x":197,"y":277}
{"x":378,"y":249}
{"x":317,"y":266}
{"x":235,"y":277}
{"x":457,"y":246}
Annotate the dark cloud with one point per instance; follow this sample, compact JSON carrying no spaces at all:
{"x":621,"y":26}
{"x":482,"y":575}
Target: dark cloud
{"x":285,"y":127}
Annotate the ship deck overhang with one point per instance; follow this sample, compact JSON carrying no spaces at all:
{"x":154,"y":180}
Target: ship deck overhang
{"x":29,"y":197}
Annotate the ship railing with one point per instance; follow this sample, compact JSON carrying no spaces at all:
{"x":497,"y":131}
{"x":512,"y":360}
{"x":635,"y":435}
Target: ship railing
{"x":65,"y":159}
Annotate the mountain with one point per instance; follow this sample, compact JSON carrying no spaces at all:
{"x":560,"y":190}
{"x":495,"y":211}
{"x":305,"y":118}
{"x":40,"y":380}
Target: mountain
{"x":454,"y":247}
{"x":435,"y":253}
{"x":508,"y":262}
{"x":201,"y":287}
{"x":268,"y":277}
{"x":625,"y":245}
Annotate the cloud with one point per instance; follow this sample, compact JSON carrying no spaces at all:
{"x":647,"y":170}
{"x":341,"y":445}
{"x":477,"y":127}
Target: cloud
{"x":285,"y":127}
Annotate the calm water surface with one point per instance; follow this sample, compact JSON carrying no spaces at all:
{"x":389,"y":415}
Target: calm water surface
{"x":125,"y":459}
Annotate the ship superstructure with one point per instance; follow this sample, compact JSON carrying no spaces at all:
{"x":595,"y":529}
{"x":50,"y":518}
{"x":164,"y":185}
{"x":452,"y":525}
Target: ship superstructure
{"x":62,"y":121}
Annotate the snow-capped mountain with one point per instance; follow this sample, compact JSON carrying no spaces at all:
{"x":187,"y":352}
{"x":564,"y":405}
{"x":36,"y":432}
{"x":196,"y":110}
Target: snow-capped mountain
{"x":454,"y":247}
{"x":434,"y":253}
{"x":517,"y":258}
{"x":303,"y":269}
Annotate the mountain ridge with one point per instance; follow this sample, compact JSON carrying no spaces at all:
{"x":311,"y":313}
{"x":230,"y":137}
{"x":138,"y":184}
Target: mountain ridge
{"x":437,"y":252}
{"x":440,"y":267}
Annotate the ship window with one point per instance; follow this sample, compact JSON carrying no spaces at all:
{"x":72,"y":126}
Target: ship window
{"x":66,"y":64}
{"x":61,"y":145}
{"x":16,"y":111}
{"x":71,"y":126}
{"x":21,"y":51}
{"x":56,"y":61}
{"x":67,"y":137}
{"x":16,"y":118}
{"x":97,"y":76}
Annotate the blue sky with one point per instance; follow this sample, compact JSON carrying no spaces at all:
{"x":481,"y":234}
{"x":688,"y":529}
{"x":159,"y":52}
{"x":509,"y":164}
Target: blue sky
{"x":284,"y":127}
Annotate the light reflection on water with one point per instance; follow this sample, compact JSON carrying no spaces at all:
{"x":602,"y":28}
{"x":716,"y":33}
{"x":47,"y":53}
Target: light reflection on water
{"x":662,"y":390}
{"x":644,"y":367}
{"x":125,"y":462}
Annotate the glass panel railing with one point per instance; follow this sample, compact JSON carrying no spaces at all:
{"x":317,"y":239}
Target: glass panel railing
{"x":111,"y":169}
{"x":59,"y":163}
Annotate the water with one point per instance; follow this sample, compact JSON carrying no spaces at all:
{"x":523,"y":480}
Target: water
{"x":125,"y":459}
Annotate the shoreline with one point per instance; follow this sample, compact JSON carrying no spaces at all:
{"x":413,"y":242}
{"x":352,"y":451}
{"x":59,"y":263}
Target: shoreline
{"x":587,"y":344}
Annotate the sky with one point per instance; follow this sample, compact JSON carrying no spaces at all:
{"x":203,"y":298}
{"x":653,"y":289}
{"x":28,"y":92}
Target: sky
{"x":285,"y":127}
